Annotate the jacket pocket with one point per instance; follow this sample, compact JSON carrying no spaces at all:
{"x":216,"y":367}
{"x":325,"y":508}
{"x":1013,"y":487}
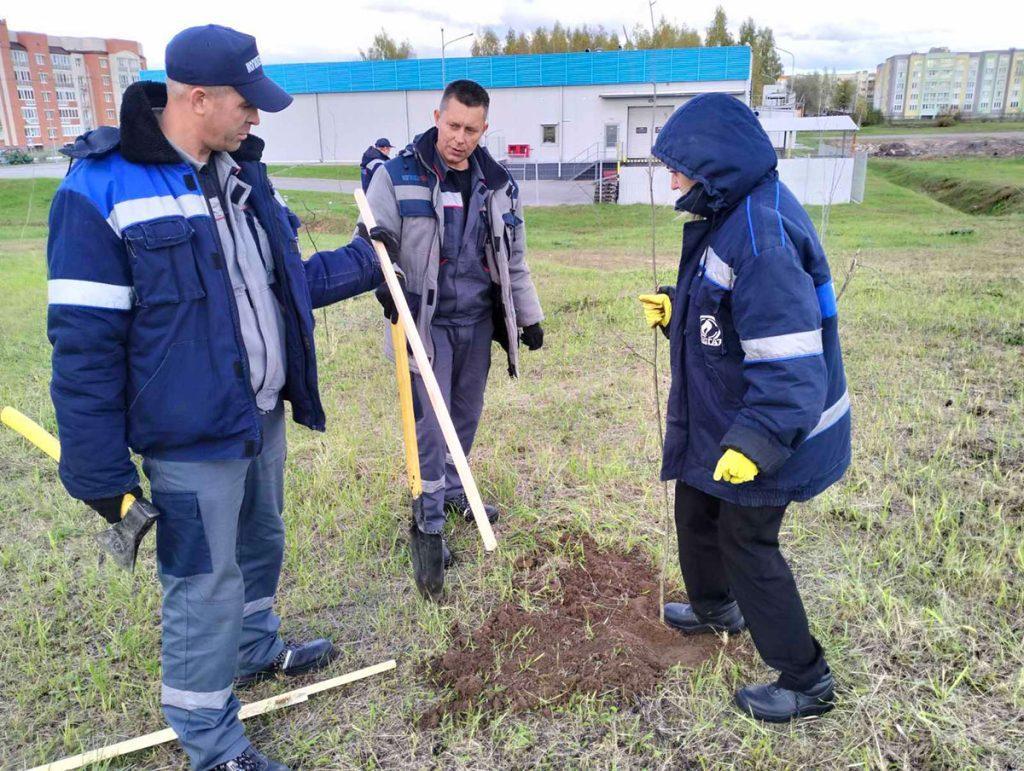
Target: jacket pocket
{"x":719,"y":343}
{"x":163,"y":261}
{"x":181,"y":544}
{"x":183,"y":401}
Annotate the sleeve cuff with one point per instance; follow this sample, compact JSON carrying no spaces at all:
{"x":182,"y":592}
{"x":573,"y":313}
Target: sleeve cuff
{"x":764,"y":450}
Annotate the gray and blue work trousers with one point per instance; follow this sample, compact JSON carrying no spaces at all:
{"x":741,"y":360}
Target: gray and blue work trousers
{"x":220,"y":542}
{"x":462,"y":360}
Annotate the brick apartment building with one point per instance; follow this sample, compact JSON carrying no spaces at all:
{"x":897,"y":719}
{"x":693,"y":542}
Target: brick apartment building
{"x":54,"y":88}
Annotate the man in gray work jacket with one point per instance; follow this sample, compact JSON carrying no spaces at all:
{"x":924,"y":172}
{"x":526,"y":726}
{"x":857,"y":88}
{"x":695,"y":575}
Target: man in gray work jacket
{"x":460,"y":240}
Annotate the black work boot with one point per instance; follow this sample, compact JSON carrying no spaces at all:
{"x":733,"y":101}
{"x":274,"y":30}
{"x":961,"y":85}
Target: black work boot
{"x":250,"y":760}
{"x":295,"y":659}
{"x":460,"y":505}
{"x":682,"y":616}
{"x":427,"y":551}
{"x":775,"y":704}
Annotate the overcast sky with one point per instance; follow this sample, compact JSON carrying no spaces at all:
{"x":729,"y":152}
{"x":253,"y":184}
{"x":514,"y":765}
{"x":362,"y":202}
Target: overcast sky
{"x":843,"y":36}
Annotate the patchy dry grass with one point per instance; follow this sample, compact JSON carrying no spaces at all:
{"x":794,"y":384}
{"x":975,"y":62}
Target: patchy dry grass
{"x":912,"y":568}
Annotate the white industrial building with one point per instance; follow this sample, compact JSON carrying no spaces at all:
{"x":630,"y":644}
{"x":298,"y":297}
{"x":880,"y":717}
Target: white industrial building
{"x":562,"y":111}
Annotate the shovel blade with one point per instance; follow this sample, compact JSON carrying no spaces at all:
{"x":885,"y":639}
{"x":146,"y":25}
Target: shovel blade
{"x":427,"y":553}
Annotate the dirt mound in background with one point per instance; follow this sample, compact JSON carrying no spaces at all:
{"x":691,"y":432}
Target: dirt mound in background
{"x":598,"y":633}
{"x":949,"y":146}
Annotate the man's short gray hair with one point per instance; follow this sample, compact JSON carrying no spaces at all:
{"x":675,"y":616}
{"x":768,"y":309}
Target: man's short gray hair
{"x":176,"y":90}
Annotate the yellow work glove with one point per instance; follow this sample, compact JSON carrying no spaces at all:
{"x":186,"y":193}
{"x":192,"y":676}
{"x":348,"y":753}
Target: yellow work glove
{"x":735,"y":467}
{"x":657,"y":309}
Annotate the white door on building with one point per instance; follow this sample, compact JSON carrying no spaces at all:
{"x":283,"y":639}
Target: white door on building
{"x":638,"y":128}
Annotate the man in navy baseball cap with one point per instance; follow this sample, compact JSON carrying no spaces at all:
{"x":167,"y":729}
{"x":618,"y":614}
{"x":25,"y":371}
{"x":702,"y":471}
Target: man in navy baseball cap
{"x":213,"y":55}
{"x":375,"y":156}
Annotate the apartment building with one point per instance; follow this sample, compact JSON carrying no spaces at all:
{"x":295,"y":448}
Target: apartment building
{"x":981,"y":84}
{"x":53,"y":88}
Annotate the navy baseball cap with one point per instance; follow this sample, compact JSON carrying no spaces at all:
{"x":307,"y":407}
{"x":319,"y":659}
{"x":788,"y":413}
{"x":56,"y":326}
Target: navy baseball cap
{"x":220,"y":56}
{"x":382,"y":142}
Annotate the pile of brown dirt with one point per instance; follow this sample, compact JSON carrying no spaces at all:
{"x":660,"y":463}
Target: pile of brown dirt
{"x":599,"y":633}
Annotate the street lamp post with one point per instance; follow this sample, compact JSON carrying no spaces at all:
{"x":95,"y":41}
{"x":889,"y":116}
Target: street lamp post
{"x":792,"y":66}
{"x":444,"y":45}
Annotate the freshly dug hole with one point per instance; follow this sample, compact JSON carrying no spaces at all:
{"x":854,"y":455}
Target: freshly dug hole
{"x":599,"y":632}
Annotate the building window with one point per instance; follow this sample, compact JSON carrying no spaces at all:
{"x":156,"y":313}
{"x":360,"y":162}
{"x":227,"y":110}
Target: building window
{"x":103,"y":64}
{"x":108,"y":97}
{"x":46,"y":96}
{"x":110,"y":114}
{"x":106,"y":80}
{"x":19,"y":57}
{"x":26,"y":94}
{"x":40,"y":60}
{"x":52,"y":133}
{"x":44,"y":78}
{"x":49,"y":116}
{"x":60,"y":60}
{"x":22,"y":76}
{"x":611,"y":135}
{"x":66,"y":95}
{"x":549,"y":134}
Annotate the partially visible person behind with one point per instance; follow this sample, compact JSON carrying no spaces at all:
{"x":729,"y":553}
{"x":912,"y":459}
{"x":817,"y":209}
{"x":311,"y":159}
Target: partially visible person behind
{"x":376,"y":155}
{"x":758,"y":411}
{"x":180,"y":313}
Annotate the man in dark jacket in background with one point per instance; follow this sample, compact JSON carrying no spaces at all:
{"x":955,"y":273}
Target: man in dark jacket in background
{"x":180,"y":313}
{"x":758,"y":411}
{"x":375,"y":156}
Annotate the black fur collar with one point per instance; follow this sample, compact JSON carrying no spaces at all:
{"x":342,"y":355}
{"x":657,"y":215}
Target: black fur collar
{"x":142,"y":141}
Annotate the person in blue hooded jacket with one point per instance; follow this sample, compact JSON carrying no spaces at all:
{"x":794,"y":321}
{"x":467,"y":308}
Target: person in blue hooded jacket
{"x":758,"y":411}
{"x":376,"y":155}
{"x":181,"y":318}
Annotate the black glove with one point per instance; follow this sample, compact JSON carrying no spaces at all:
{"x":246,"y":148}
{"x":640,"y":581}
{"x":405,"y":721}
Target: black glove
{"x":532,"y":336}
{"x":387,"y":302}
{"x":382,"y":234}
{"x":110,"y":508}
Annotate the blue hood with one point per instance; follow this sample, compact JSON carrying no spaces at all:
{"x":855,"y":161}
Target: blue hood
{"x":717,"y":140}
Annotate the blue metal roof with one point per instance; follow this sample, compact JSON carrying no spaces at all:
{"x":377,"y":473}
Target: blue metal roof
{"x":571,"y":69}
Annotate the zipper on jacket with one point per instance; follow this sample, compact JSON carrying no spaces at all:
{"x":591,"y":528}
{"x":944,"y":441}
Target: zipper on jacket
{"x":236,"y":324}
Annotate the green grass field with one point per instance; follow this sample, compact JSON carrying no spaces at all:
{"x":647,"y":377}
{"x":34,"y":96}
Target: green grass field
{"x":959,"y":128}
{"x":317,"y":171}
{"x":990,"y":186}
{"x":911,"y":568}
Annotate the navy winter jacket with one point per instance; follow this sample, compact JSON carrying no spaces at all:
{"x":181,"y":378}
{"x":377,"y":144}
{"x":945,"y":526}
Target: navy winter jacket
{"x":372,"y":160}
{"x":756,"y":364}
{"x":147,"y":351}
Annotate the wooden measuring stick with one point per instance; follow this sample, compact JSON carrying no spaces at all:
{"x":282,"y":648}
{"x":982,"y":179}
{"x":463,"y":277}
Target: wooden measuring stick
{"x":287,"y":699}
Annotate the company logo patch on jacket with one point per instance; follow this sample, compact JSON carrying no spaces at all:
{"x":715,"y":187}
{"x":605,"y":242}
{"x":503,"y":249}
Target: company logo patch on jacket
{"x":710,"y":332}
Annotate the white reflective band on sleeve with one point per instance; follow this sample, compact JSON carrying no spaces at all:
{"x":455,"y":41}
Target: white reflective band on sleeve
{"x":451,"y":200}
{"x":142,"y":209}
{"x":255,"y":606}
{"x":89,"y":294}
{"x":783,"y":346}
{"x":433,"y":485}
{"x":412,"y":193}
{"x":716,"y":271}
{"x":193,"y":700}
{"x":832,"y":415}
{"x":374,"y":163}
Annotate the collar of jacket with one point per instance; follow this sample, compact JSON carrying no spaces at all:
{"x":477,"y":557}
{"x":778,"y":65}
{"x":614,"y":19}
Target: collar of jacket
{"x":140,"y":138}
{"x":424,"y":147}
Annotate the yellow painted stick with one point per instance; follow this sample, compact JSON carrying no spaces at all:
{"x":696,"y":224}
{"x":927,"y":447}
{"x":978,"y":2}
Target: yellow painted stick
{"x":412,"y":455}
{"x":32,"y":431}
{"x":419,"y":353}
{"x":297,"y":696}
